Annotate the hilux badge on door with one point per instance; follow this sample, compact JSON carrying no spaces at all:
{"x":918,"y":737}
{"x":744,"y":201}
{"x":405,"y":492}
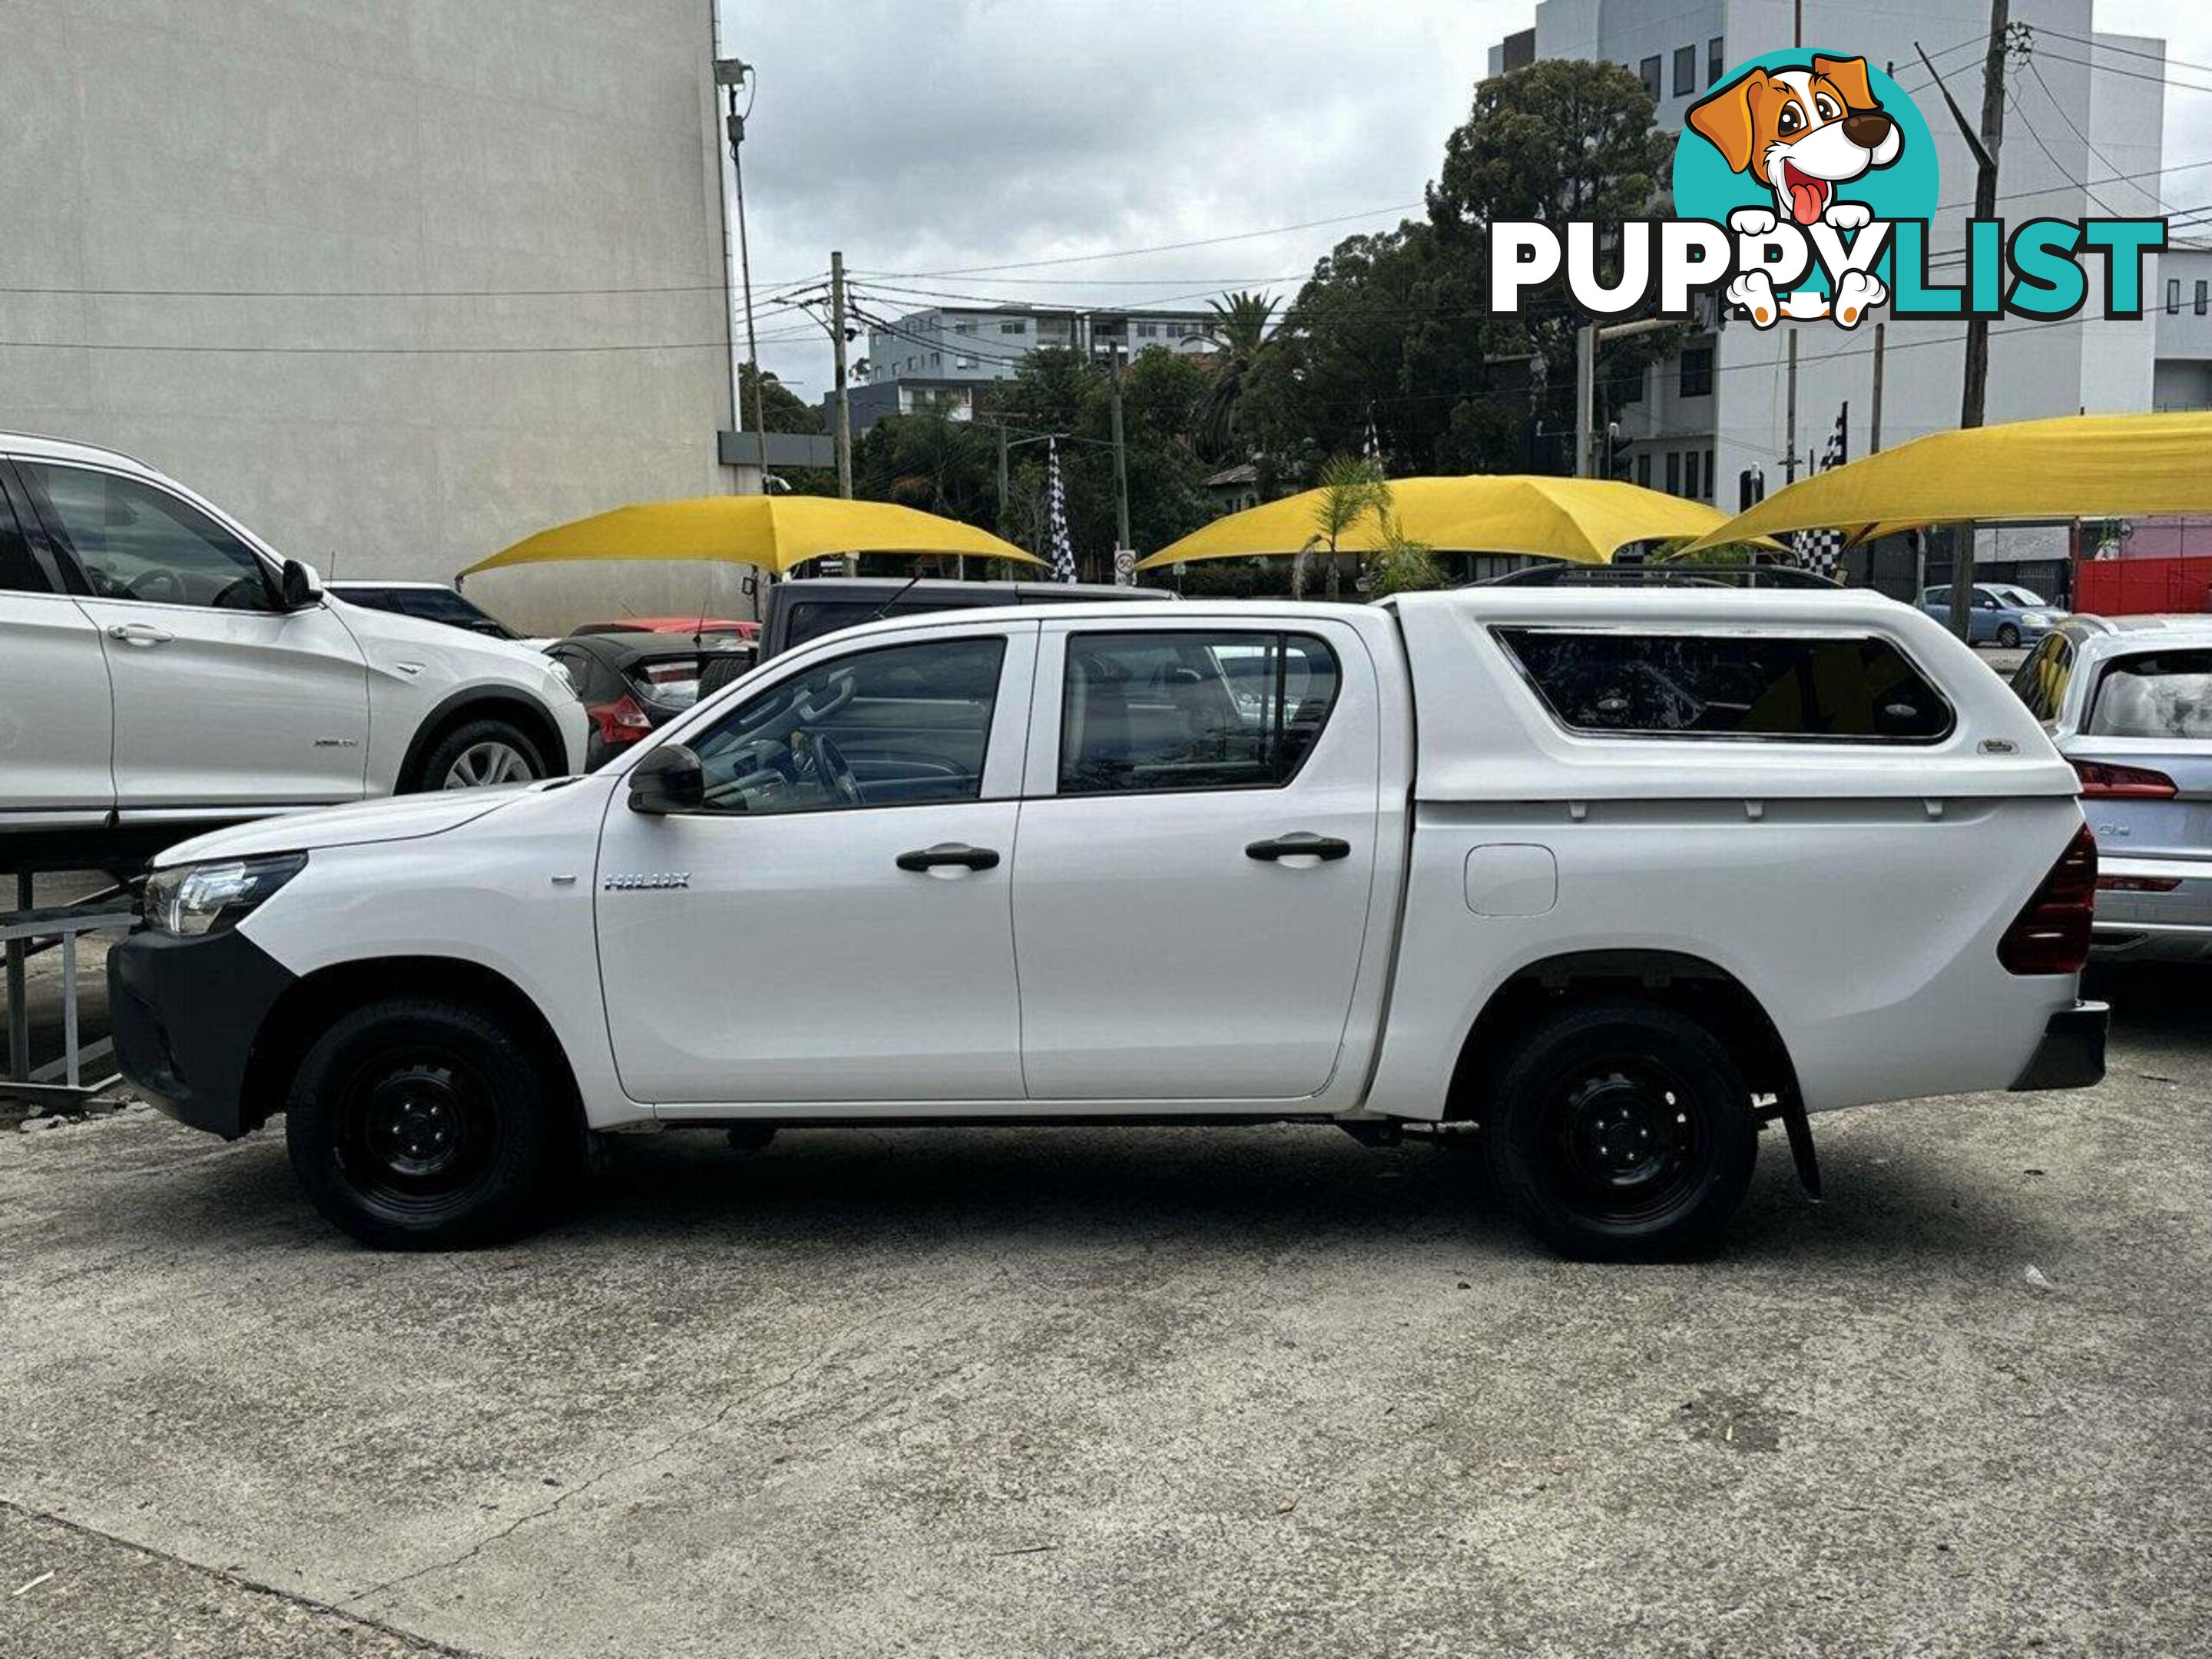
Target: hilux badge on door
{"x":657,"y":878}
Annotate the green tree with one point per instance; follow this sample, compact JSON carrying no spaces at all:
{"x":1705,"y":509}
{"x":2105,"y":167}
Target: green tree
{"x":1056,"y":393}
{"x":1394,"y":328}
{"x":1352,"y":489}
{"x":1239,"y":334}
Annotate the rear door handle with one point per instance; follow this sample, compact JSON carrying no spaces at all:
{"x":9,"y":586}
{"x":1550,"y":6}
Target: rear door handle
{"x":140,"y":633}
{"x":951,"y":854}
{"x":1302,"y":845}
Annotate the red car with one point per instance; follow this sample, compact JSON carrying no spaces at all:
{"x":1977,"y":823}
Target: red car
{"x":743,"y":630}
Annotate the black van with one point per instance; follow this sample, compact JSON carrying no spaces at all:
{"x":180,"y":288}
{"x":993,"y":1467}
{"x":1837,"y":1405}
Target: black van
{"x":798,"y":611}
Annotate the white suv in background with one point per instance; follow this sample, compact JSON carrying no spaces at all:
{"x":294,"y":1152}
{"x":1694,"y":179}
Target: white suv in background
{"x":163,"y":671}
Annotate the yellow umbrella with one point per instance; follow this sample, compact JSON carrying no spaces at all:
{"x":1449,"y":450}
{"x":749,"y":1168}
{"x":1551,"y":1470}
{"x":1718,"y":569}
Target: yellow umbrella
{"x":774,"y":532}
{"x":2076,"y":466}
{"x":1586,"y":520}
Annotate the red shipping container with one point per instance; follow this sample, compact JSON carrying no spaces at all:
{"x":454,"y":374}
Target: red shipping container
{"x":2139,"y":587}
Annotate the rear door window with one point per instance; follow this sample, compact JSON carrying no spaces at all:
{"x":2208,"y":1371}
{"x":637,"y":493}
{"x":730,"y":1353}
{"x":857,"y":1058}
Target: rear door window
{"x":1776,"y":687}
{"x":1183,"y":709}
{"x":2160,"y":694}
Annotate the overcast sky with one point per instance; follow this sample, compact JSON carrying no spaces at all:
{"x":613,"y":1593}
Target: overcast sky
{"x":939,"y":136}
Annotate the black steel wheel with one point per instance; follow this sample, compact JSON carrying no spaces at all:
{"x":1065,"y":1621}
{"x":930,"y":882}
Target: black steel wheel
{"x":419,"y":1123}
{"x":1621,"y":1130}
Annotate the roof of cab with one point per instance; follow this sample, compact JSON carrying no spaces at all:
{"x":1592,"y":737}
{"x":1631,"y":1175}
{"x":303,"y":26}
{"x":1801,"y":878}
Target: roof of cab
{"x":30,"y":445}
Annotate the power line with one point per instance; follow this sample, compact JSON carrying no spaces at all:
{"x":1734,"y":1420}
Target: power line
{"x":365,"y":351}
{"x":361,"y":293}
{"x":1159,"y":247}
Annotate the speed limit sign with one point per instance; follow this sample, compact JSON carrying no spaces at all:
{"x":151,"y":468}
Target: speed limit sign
{"x":1125,"y":567}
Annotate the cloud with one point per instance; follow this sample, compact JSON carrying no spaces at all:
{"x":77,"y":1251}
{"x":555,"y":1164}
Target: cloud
{"x":936,"y":135}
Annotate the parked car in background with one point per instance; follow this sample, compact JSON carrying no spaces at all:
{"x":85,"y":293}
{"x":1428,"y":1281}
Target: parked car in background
{"x":162,"y":669}
{"x":2003,"y":614}
{"x":634,"y":684}
{"x":2127,"y":699}
{"x":807,"y":609}
{"x":1532,"y":860}
{"x":431,"y":602}
{"x":688,"y":625}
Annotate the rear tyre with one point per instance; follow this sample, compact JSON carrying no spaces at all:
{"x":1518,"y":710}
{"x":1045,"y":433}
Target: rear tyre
{"x":1618,"y":1131}
{"x":479,"y":753}
{"x":2008,"y":636}
{"x":422,"y":1124}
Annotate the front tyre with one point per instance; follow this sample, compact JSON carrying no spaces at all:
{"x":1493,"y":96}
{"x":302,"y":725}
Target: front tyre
{"x":422,"y":1124}
{"x":480,"y":753}
{"x":2008,"y":637}
{"x":1620,"y":1132}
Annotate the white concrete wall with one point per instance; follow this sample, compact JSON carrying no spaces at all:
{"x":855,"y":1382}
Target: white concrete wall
{"x":389,"y":147}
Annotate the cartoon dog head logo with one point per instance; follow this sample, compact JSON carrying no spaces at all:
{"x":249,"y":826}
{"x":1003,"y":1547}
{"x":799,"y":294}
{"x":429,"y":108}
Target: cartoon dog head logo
{"x":1801,"y":132}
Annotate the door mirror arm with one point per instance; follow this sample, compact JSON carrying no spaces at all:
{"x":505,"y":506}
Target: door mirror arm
{"x":669,"y":780}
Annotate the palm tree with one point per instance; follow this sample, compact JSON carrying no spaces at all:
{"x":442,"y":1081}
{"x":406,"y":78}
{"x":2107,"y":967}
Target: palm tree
{"x":1351,"y":487}
{"x":1239,"y":334}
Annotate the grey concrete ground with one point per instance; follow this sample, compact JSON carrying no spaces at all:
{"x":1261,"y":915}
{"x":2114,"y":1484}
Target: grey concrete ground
{"x":999,"y":1392}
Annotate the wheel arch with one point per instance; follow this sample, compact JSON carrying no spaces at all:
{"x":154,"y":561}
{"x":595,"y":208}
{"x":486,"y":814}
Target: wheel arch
{"x":310,"y":1004}
{"x":1689,"y":984}
{"x":476,"y":703}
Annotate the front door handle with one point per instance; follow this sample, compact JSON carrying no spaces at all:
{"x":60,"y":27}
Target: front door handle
{"x":140,"y":633}
{"x":1301,"y":845}
{"x":949,"y":853}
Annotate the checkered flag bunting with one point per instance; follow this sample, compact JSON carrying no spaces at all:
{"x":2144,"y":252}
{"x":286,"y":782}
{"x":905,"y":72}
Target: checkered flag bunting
{"x":1821,"y":551}
{"x":1063,"y":547}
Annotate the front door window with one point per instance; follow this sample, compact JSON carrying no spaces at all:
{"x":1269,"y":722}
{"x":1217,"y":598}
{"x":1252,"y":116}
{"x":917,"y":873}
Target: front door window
{"x":135,"y":542}
{"x":906,"y":725}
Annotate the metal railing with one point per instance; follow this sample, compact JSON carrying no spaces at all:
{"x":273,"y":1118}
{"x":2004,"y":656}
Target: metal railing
{"x":30,"y":931}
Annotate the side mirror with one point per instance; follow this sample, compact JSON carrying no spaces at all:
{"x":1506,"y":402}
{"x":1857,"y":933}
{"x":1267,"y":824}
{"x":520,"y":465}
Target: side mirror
{"x":298,"y":586}
{"x":669,"y":780}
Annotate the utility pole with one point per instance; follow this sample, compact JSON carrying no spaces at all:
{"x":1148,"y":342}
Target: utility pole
{"x":844,"y":433}
{"x":1874,"y":424}
{"x":1585,"y":399}
{"x":1588,"y":338}
{"x":1974,"y":399}
{"x":1120,"y":459}
{"x":1790,"y":417}
{"x":731,"y":73}
{"x":1006,"y":485}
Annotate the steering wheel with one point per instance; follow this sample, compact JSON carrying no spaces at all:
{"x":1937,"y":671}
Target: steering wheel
{"x":843,"y":689}
{"x":157,"y":588}
{"x":833,"y":771}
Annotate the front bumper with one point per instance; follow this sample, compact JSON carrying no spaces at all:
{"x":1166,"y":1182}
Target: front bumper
{"x":187,"y":1012}
{"x":2072,"y":1052}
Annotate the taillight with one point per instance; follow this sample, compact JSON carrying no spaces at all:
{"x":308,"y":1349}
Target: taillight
{"x":2051,"y":935}
{"x":2102,"y":781}
{"x":621,"y":721}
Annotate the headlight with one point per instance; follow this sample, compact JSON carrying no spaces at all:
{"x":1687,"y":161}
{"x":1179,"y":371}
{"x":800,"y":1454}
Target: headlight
{"x":208,"y":898}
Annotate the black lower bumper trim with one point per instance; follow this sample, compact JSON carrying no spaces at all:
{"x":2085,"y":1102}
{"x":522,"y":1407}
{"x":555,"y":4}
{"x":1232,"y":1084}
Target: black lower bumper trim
{"x":187,"y":1012}
{"x":2072,"y":1052}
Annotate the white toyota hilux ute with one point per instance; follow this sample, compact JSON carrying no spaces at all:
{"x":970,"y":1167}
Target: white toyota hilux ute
{"x":1615,"y":879}
{"x":162,"y":668}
